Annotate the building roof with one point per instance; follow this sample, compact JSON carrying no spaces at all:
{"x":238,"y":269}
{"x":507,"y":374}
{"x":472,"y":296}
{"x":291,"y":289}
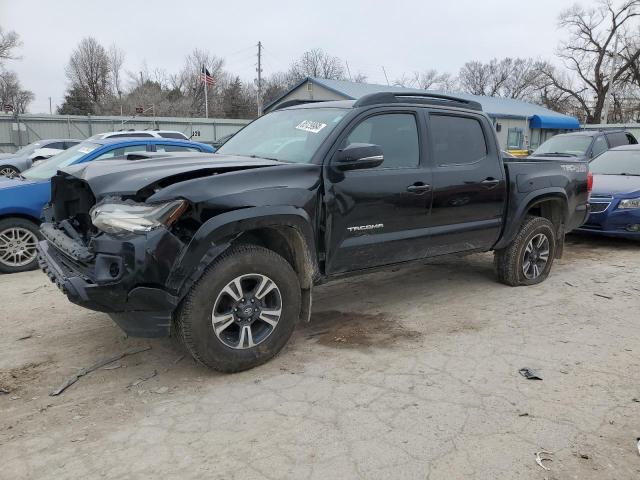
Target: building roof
{"x":493,"y":106}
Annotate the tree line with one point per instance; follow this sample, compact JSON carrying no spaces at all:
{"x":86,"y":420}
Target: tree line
{"x":600,"y":53}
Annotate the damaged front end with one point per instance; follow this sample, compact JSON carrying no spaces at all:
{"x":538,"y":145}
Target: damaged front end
{"x":114,"y":255}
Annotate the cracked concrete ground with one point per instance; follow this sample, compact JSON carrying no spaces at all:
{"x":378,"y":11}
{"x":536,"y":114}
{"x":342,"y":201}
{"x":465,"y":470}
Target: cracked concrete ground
{"x":409,"y":373}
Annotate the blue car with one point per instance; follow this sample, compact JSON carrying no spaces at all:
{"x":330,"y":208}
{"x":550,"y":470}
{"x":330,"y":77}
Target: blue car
{"x":615,"y":198}
{"x":22,"y":198}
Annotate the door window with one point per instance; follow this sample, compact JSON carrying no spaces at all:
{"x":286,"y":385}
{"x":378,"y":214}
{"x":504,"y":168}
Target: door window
{"x":395,"y":133}
{"x":599,"y":145}
{"x":119,"y":152}
{"x":56,"y":145}
{"x":457,"y":140}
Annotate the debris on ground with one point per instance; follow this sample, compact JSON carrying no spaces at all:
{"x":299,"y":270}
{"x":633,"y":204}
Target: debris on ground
{"x":4,"y":391}
{"x":638,"y":445}
{"x":113,"y":367}
{"x":106,"y":361}
{"x":529,"y":373}
{"x":584,"y":456}
{"x":570,"y":284}
{"x":540,"y":459}
{"x":178,"y":360}
{"x":603,"y":296}
{"x":523,"y":414}
{"x":26,"y":336}
{"x":161,"y":390}
{"x":143,"y":379}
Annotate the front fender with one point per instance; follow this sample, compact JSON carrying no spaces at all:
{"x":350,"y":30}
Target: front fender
{"x":216,"y":235}
{"x":515,"y":218}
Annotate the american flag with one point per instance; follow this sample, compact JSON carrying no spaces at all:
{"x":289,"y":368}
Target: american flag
{"x":206,"y":77}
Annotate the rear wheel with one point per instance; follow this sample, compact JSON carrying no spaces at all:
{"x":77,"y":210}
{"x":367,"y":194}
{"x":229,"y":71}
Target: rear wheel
{"x":9,"y":171}
{"x":528,"y":260}
{"x":18,"y":245}
{"x":242,"y":311}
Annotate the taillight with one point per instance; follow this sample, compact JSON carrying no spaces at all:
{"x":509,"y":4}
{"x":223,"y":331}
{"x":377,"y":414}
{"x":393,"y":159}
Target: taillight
{"x":589,"y":182}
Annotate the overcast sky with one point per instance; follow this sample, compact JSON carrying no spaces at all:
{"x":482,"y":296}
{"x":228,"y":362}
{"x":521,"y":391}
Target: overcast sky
{"x":402,"y":35}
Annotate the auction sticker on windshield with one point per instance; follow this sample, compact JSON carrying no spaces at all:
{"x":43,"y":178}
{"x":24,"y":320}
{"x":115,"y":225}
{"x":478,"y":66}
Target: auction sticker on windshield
{"x":309,"y":126}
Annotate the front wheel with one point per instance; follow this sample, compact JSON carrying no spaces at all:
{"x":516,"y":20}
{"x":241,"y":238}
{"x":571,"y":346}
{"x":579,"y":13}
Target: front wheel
{"x":18,"y":245}
{"x":528,"y":260}
{"x":242,"y":311}
{"x":9,"y":171}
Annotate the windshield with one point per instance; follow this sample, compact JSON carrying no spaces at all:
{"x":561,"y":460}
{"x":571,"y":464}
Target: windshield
{"x":617,"y":162}
{"x":27,"y":149}
{"x":285,"y":135}
{"x":48,"y":168}
{"x":573,"y":145}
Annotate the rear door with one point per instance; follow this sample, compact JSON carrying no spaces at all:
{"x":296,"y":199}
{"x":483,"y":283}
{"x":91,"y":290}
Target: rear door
{"x":379,"y":216}
{"x":469,"y":188}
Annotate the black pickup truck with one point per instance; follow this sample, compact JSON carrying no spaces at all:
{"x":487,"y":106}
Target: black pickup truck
{"x":224,"y":249}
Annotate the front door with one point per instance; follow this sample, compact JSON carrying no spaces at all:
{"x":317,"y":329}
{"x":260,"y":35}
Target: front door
{"x":379,"y":216}
{"x":469,"y":189}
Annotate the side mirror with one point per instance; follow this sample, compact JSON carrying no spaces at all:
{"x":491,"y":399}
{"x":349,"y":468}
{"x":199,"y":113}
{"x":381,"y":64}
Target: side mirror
{"x":358,"y":156}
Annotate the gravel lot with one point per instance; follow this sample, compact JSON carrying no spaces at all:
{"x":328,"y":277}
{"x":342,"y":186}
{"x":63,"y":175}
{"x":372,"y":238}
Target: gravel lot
{"x":410,"y":373}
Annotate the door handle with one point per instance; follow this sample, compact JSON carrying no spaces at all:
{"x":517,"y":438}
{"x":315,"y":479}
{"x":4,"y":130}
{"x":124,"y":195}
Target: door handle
{"x":490,"y":182}
{"x":419,"y":188}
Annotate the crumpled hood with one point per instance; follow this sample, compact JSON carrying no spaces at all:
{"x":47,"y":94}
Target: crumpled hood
{"x":126,"y":177}
{"x":616,"y":185}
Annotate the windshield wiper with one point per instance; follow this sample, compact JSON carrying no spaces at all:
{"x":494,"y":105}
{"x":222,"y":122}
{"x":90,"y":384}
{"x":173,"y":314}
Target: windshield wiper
{"x":558,"y":154}
{"x":264,"y":158}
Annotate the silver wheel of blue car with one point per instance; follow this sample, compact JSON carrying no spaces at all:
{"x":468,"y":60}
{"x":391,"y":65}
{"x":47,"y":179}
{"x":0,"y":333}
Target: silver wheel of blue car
{"x":17,"y":247}
{"x":536,"y":256}
{"x":247,"y":311}
{"x":8,"y":171}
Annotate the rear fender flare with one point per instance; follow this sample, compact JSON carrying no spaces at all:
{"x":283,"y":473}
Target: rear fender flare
{"x":217,"y":234}
{"x":514,"y":222}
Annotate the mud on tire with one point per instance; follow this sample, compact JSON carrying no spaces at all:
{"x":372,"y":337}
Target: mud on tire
{"x":235,"y":285}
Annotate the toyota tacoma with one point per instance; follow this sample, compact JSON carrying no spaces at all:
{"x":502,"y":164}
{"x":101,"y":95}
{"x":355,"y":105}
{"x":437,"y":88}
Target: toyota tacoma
{"x":224,"y":250}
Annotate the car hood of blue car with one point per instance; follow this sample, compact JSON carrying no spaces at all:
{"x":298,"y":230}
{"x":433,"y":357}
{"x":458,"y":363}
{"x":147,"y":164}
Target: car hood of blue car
{"x":9,"y":183}
{"x":619,"y":186}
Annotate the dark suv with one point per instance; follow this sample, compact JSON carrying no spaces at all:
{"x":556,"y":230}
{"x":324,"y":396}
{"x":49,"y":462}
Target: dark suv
{"x":225,"y":249}
{"x":585,"y":145}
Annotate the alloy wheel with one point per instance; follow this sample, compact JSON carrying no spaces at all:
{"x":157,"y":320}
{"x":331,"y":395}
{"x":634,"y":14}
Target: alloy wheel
{"x":8,"y":172}
{"x":17,"y":247}
{"x":536,"y":256}
{"x":246,"y":311}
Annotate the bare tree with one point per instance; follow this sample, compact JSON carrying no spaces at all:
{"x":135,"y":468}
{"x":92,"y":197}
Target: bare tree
{"x":317,"y":63}
{"x":428,"y":80}
{"x":9,"y":41}
{"x":88,"y":69}
{"x":588,"y":52}
{"x":12,"y":93}
{"x":116,"y":61}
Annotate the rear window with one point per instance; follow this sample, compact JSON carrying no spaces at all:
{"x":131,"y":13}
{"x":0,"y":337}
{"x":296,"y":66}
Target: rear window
{"x":173,"y":135}
{"x":617,"y":139}
{"x":457,"y":140}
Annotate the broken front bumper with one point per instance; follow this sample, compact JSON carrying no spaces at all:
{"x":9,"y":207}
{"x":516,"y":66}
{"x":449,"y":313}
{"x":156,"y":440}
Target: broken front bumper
{"x":123,"y":277}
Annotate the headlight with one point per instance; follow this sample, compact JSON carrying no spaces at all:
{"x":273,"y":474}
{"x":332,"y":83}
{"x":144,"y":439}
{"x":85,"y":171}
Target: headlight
{"x":135,"y":217}
{"x":629,"y":203}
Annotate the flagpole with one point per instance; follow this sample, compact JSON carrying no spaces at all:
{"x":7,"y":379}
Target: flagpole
{"x":206,"y":99}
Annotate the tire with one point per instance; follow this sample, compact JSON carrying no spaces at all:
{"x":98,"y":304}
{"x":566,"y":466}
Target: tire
{"x":18,"y":241}
{"x":515,"y":265}
{"x":210,"y":301}
{"x":8,"y":171}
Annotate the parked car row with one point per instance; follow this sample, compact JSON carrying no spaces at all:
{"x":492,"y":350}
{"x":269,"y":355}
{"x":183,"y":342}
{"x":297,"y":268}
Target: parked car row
{"x":614,"y":161}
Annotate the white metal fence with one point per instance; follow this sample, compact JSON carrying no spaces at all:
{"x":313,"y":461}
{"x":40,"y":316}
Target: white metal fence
{"x":16,"y":131}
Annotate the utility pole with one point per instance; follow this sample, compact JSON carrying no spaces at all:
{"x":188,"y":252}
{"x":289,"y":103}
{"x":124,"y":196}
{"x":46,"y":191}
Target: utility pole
{"x":385,"y":74}
{"x":604,"y":116}
{"x":259,"y":70}
{"x":50,"y":110}
{"x":348,"y":71}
